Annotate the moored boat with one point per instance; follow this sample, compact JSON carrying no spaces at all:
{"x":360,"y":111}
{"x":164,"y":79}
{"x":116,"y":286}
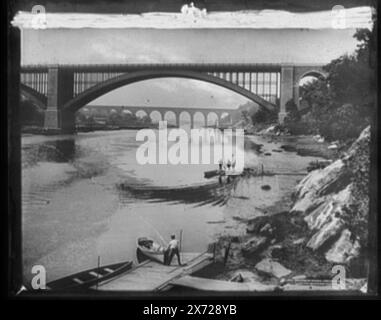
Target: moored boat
{"x":88,"y":278}
{"x":148,"y":249}
{"x":213,"y":173}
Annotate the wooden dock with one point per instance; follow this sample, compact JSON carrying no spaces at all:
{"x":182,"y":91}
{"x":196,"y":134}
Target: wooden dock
{"x":153,"y":277}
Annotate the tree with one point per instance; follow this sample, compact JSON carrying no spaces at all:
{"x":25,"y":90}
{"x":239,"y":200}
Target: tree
{"x":264,"y":116}
{"x":114,"y":118}
{"x":245,"y":116}
{"x":343,"y":103}
{"x":352,"y":78}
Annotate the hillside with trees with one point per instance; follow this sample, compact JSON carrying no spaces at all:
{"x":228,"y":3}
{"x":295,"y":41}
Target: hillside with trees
{"x":342,"y":104}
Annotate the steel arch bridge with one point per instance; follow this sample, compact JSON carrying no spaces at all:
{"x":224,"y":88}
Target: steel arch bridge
{"x":61,"y":90}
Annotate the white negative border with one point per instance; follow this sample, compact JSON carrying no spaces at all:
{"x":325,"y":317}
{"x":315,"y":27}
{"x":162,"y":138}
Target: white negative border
{"x":360,"y":17}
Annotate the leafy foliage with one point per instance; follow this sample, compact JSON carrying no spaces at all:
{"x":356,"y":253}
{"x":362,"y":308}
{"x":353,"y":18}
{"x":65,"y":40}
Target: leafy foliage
{"x":264,"y":116}
{"x":342,"y":104}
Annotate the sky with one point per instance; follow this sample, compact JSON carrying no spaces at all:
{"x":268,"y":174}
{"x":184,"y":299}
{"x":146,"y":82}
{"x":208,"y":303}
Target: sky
{"x":176,"y":45}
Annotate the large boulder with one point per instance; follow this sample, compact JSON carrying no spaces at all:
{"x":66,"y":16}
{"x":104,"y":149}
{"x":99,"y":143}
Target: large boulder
{"x":311,"y":191}
{"x":331,"y":208}
{"x":254,"y":245}
{"x":272,"y":268}
{"x":344,"y":249}
{"x":328,"y":231}
{"x":327,"y":219}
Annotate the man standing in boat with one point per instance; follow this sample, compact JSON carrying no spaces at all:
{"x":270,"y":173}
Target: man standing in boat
{"x":228,"y":164}
{"x":221,"y":164}
{"x":173,"y":249}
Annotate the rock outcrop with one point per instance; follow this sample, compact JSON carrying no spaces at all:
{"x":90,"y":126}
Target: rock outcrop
{"x":335,"y":202}
{"x":326,"y":225}
{"x":344,"y":249}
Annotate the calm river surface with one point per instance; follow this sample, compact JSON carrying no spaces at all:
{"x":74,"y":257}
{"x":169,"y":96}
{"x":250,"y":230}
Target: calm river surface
{"x":74,"y":209}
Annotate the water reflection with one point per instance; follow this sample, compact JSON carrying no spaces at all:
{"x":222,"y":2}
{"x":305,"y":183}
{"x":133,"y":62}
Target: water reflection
{"x":58,"y":151}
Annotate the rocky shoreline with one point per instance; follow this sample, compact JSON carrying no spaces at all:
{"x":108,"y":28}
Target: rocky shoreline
{"x":324,"y":226}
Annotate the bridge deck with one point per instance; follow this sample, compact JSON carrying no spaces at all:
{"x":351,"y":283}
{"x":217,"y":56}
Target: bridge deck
{"x":152,"y":276}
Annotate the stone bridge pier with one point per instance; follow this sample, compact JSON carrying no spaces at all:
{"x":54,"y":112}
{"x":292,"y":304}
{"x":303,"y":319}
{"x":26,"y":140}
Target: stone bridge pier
{"x":60,"y":91}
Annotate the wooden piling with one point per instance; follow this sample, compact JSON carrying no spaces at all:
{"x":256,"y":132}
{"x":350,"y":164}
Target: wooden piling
{"x":99,"y":265}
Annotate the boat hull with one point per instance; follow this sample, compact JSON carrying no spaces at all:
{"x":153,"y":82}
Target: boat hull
{"x":144,"y":253}
{"x":88,"y":278}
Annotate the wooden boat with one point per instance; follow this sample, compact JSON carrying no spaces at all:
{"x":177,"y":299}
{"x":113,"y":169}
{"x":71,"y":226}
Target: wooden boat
{"x":88,"y":278}
{"x":148,"y":249}
{"x":180,"y":188}
{"x":213,"y":173}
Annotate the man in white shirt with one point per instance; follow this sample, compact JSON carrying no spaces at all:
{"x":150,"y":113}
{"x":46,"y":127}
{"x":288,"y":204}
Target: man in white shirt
{"x":173,"y":249}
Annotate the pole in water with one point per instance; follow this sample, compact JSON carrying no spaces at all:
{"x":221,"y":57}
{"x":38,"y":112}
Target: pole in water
{"x":99,"y":265}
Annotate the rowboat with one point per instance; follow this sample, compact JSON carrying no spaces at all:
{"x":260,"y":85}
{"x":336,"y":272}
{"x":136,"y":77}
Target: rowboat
{"x":148,"y":249}
{"x":88,"y":278}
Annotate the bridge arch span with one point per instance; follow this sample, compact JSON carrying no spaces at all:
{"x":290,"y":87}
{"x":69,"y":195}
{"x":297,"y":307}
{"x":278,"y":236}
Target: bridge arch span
{"x":170,"y":117}
{"x":141,"y":113}
{"x":157,"y":113}
{"x":128,"y":78}
{"x":199,"y":116}
{"x":37,"y":98}
{"x":212,"y":119}
{"x":185,"y":118}
{"x":312,"y":73}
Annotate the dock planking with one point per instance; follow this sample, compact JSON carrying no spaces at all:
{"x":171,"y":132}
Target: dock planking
{"x":154,"y":277}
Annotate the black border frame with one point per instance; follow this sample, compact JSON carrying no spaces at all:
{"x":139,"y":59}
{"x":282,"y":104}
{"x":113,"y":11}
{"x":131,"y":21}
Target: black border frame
{"x":13,"y":233}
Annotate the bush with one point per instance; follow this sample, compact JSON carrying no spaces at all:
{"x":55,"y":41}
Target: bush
{"x":347,"y":122}
{"x":264,"y":116}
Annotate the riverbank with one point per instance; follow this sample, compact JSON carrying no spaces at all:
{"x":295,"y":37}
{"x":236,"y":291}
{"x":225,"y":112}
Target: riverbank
{"x":313,"y":230}
{"x":28,"y":129}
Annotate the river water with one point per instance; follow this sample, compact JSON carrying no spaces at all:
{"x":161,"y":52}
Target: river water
{"x":76,"y":207}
